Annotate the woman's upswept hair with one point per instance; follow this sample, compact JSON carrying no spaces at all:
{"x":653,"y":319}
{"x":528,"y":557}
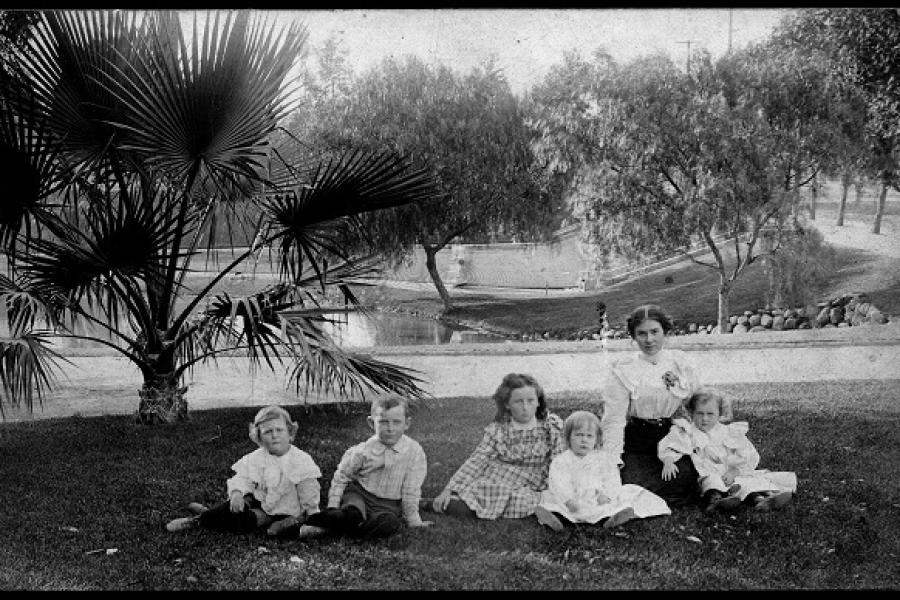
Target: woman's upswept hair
{"x":580,"y":418}
{"x":704,"y":395}
{"x":514,"y":381}
{"x":648,"y":312}
{"x":270,"y":413}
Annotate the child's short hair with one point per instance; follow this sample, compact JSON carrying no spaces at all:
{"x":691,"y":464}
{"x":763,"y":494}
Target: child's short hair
{"x":704,"y":395}
{"x":580,"y":418}
{"x":514,"y":381}
{"x":270,"y":413}
{"x":388,"y":402}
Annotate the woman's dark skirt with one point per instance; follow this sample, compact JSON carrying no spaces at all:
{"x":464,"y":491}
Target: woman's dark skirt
{"x":643,"y":467}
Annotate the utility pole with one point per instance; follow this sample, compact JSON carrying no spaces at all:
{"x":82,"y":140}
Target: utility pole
{"x":688,"y":42}
{"x":730,"y":22}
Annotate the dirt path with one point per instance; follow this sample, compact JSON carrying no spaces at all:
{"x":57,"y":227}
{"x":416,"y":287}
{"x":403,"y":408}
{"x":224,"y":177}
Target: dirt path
{"x":885,"y":271}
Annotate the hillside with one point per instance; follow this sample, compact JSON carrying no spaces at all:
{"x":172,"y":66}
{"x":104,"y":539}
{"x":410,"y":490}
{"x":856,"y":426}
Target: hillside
{"x":866,"y":263}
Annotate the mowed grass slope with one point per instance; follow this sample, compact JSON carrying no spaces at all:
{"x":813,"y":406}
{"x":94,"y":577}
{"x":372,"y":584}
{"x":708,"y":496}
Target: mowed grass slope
{"x":74,"y":488}
{"x":691,"y":297}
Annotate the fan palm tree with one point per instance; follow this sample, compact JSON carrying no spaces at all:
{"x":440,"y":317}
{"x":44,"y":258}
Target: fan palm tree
{"x":124,"y":139}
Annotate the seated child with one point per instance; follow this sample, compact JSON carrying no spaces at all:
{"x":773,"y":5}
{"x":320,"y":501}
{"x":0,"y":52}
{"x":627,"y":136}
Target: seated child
{"x":507,"y":472}
{"x":584,"y":483}
{"x":275,"y":486}
{"x":378,"y":483}
{"x":725,"y":459}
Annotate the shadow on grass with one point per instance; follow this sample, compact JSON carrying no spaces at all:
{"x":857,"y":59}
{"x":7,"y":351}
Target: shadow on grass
{"x":77,"y":485}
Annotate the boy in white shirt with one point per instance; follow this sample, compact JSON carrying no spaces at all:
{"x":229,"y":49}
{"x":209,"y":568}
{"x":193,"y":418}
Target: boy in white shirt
{"x":378,"y":483}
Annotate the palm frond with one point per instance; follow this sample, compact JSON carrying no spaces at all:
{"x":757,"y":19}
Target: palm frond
{"x":250,"y":323}
{"x":321,"y":366}
{"x":27,"y":369}
{"x":205,"y":111}
{"x":316,"y":221}
{"x":71,"y":53}
{"x":22,"y":308}
{"x":28,"y":158}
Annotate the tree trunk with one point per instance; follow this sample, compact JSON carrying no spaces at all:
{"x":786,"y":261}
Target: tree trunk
{"x":859,"y":191}
{"x":796,"y":197}
{"x":162,"y":400}
{"x":431,"y":264}
{"x":879,"y":210}
{"x":845,"y":188}
{"x":724,"y":293}
{"x":813,"y":197}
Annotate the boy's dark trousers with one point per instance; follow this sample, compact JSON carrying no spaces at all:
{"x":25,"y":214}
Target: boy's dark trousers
{"x":220,"y":517}
{"x":361,"y":514}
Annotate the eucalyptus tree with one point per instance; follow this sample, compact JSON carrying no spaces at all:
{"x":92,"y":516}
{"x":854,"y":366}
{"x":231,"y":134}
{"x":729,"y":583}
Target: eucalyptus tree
{"x":842,"y":150}
{"x":470,"y":129}
{"x":864,"y":47}
{"x":661,"y":160}
{"x":124,"y":137}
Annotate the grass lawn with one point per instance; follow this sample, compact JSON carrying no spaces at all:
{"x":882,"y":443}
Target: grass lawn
{"x":76,"y":485}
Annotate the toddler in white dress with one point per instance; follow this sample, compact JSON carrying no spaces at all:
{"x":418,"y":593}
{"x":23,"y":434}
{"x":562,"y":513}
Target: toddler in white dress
{"x":726,"y":461}
{"x":584,"y":485}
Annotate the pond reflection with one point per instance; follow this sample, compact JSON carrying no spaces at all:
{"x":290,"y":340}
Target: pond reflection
{"x":355,"y":330}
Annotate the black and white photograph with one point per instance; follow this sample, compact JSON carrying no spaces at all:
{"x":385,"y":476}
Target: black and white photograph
{"x":450,"y":298}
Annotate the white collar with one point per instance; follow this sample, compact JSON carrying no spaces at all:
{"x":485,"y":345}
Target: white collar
{"x":655,"y":359}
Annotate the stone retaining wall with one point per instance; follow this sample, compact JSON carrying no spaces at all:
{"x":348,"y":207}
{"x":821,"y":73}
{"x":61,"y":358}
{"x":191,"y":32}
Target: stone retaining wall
{"x":102,"y":384}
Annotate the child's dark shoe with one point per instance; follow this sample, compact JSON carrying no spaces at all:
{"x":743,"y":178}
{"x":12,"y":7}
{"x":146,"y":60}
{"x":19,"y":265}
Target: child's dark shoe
{"x":307,"y":532}
{"x":547,"y":518}
{"x":183,"y":524}
{"x":286,"y":527}
{"x":427,"y":505}
{"x":623,"y":516}
{"x":772,"y":501}
{"x":197,"y":508}
{"x":711,"y":499}
{"x":727,"y":504}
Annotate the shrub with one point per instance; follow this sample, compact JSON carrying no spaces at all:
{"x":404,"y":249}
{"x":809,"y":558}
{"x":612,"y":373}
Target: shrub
{"x":799,"y":270}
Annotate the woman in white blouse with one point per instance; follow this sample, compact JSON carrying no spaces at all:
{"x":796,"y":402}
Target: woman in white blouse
{"x":642,"y":393}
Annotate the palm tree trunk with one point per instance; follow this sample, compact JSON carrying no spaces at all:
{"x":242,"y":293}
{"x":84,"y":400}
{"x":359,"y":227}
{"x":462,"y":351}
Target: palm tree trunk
{"x":162,"y":400}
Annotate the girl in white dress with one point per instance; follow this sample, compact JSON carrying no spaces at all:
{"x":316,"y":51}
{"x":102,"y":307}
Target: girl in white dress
{"x":274,"y":487}
{"x":584,"y":485}
{"x":724,"y":458}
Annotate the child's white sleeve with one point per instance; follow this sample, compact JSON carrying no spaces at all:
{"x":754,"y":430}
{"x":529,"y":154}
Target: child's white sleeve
{"x":411,"y":489}
{"x":243,"y":480}
{"x":559,"y":481}
{"x":674,"y":445}
{"x":610,"y":476}
{"x":616,"y":399}
{"x":346,"y":472}
{"x":744,"y":456}
{"x":309,"y":494}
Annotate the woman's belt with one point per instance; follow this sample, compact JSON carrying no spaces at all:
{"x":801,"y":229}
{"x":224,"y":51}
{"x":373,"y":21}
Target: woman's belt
{"x":649,"y":422}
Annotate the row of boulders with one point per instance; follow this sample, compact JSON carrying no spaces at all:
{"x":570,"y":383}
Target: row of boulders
{"x":846,"y":310}
{"x":841,"y":311}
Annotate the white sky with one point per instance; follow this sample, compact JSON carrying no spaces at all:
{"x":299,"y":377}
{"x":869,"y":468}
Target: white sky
{"x":528,"y":41}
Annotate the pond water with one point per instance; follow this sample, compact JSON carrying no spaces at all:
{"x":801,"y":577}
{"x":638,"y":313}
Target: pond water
{"x":354,"y":330}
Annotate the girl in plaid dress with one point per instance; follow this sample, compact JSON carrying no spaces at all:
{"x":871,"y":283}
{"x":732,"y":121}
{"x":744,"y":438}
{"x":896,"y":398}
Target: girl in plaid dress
{"x":507,"y":472}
